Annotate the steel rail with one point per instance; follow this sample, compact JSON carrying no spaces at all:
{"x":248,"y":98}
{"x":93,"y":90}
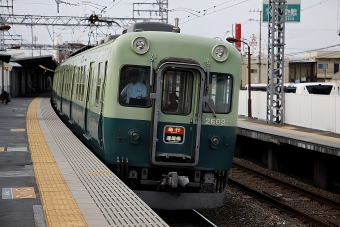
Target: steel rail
{"x":204,"y":218}
{"x":282,"y":206}
{"x":319,"y":198}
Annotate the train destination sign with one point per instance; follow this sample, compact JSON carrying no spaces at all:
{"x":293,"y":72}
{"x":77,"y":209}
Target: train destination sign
{"x":293,"y":10}
{"x":174,"y":134}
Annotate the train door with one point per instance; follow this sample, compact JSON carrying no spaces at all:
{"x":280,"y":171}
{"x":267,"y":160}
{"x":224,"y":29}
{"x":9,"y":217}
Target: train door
{"x":88,"y":99}
{"x":73,"y":81}
{"x":177,"y":115}
{"x":102,"y":96}
{"x":60,"y":90}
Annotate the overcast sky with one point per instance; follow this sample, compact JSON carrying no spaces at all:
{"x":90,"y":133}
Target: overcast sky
{"x":214,"y":18}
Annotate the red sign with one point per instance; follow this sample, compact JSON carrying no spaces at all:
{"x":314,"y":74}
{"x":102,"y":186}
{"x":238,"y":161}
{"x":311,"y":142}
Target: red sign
{"x":238,"y":36}
{"x":173,"y":134}
{"x":174,"y":130}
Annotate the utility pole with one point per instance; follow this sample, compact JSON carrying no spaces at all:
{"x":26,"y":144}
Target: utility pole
{"x":32,"y":37}
{"x":259,"y":57}
{"x":276,"y":42}
{"x":57,"y":6}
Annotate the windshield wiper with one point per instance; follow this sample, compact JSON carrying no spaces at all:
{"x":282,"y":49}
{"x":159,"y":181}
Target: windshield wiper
{"x":211,"y":109}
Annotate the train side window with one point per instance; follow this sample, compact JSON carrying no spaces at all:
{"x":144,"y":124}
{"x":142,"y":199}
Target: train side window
{"x":91,"y":80}
{"x":177,"y":92}
{"x":99,"y":82}
{"x":74,"y":77}
{"x":77,"y":83}
{"x":133,"y":86}
{"x":83,"y":77}
{"x":220,"y":93}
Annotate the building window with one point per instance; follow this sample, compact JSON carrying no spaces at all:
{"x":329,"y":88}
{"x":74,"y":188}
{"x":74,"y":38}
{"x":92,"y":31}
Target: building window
{"x":253,"y":70}
{"x":336,"y":67}
{"x":322,"y":66}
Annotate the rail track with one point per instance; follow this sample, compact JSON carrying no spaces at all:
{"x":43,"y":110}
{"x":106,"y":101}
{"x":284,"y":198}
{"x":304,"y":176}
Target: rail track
{"x":311,"y":208}
{"x":185,"y":218}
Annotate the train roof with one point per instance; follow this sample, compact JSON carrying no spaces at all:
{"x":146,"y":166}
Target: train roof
{"x":151,"y":26}
{"x":312,"y":84}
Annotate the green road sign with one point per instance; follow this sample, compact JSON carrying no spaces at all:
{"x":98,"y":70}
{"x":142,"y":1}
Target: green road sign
{"x":293,"y":12}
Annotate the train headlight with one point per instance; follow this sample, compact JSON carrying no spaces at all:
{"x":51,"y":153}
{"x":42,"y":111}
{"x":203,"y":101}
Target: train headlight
{"x":140,"y":45}
{"x":220,"y":53}
{"x":214,"y":141}
{"x":134,"y":136}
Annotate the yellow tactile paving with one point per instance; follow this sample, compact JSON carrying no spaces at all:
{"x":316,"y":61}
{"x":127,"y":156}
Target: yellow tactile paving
{"x":59,"y":206}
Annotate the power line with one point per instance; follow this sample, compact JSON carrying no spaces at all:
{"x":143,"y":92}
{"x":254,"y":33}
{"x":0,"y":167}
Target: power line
{"x":111,"y":6}
{"x":314,"y":5}
{"x":216,"y":11}
{"x":321,"y":48}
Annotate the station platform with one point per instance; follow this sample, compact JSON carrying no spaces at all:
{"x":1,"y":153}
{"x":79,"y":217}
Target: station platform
{"x":316,"y":140}
{"x":49,"y":178}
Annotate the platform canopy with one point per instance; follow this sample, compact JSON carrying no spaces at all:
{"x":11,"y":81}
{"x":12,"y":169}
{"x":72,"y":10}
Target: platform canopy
{"x":37,"y":62}
{"x":4,"y":56}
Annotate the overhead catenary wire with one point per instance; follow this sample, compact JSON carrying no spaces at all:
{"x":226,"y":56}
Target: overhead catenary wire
{"x":216,"y":11}
{"x":321,"y":48}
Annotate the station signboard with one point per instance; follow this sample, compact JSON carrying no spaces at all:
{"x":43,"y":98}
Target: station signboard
{"x":293,"y":10}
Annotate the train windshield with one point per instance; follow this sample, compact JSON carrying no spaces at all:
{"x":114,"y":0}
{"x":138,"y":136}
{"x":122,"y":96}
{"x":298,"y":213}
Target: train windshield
{"x":133,"y":86}
{"x":177,"y":92}
{"x":319,"y":89}
{"x":220,"y":92}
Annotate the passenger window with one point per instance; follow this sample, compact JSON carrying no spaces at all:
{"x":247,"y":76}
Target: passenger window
{"x":99,"y":83}
{"x":177,"y":92}
{"x":220,"y":93}
{"x":133,"y":86}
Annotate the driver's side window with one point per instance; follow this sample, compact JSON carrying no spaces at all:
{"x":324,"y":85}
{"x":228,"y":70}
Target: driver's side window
{"x":133,"y":86}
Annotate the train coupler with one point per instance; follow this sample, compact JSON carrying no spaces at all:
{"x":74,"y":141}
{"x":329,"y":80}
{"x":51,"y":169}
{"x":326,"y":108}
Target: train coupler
{"x":173,"y":180}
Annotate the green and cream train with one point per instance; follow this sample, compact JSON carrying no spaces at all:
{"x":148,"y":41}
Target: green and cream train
{"x":160,"y":108}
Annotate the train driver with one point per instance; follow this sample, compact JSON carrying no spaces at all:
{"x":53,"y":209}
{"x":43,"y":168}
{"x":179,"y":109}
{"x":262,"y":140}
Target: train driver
{"x":135,"y":92}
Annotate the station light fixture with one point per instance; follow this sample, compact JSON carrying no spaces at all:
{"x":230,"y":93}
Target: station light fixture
{"x":233,"y":40}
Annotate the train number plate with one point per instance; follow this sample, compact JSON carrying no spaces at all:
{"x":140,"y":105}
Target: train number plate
{"x":174,"y":134}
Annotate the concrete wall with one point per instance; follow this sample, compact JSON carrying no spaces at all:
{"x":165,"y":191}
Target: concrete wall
{"x":310,"y":111}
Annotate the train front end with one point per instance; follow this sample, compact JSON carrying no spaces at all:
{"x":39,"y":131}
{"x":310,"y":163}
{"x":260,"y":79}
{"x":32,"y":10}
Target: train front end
{"x":174,"y":147}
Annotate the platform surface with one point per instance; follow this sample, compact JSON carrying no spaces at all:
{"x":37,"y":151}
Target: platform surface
{"x":49,"y":178}
{"x":323,"y":141}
